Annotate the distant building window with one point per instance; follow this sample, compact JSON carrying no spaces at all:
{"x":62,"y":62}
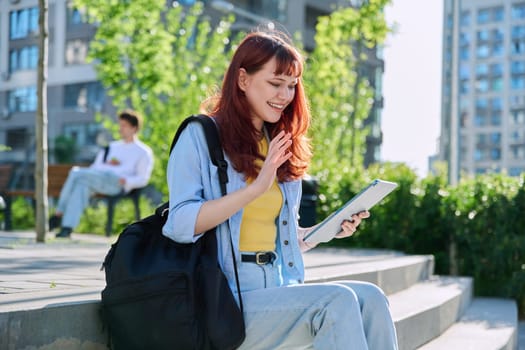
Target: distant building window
{"x":495,"y":119}
{"x":483,"y":51}
{"x":464,"y":39}
{"x":480,"y":120}
{"x":23,"y":58}
{"x":495,"y":153}
{"x":483,"y":16}
{"x":464,"y":53}
{"x":496,"y":104}
{"x":514,"y":171}
{"x":83,"y":96}
{"x":22,"y":99}
{"x":465,"y":19}
{"x":518,"y":11}
{"x":498,"y":14}
{"x":517,"y":83}
{"x":482,"y":35}
{"x":482,"y":69}
{"x":464,"y":87}
{"x":496,"y":84}
{"x":464,"y":71}
{"x":497,"y":49}
{"x":517,"y":67}
{"x":498,"y":34}
{"x":23,"y":22}
{"x":496,"y":69}
{"x":518,"y":32}
{"x":482,"y":85}
{"x":76,"y":51}
{"x":74,"y":16}
{"x":518,"y":116}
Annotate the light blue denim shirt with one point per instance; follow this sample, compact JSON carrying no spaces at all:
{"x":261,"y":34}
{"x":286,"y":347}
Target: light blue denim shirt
{"x":193,"y":179}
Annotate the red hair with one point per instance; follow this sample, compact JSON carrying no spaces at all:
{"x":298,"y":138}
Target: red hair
{"x":239,"y":137}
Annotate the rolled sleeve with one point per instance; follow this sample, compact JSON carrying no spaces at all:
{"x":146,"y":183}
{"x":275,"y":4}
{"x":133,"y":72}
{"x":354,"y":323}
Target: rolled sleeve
{"x":186,"y":192}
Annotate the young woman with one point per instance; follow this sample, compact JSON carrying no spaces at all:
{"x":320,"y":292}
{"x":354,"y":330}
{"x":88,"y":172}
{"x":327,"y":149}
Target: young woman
{"x":263,"y":117}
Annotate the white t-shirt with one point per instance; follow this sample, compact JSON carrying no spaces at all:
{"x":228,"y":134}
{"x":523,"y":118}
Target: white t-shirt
{"x":132,"y":161}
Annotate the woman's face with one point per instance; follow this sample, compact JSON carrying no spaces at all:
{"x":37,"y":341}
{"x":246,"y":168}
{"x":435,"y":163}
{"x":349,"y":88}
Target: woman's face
{"x":268,"y":94}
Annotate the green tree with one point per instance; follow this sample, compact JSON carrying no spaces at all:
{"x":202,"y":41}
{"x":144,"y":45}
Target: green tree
{"x":161,"y":61}
{"x":340,"y":96}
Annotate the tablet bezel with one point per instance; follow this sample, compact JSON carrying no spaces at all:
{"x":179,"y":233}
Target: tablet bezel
{"x":364,"y":200}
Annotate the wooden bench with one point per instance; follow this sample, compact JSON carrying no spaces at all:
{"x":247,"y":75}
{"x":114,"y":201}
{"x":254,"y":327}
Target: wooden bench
{"x":57,"y":175}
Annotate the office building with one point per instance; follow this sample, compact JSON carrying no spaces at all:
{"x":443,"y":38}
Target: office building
{"x":483,"y":96}
{"x":75,"y":95}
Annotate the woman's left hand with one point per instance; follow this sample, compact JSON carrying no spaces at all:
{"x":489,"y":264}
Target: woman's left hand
{"x":350,"y":226}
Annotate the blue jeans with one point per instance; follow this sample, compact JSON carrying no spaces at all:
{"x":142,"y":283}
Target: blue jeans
{"x":336,"y":315}
{"x":80,"y":185}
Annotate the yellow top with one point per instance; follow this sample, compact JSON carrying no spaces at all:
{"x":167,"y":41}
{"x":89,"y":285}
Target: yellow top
{"x":258,"y":229}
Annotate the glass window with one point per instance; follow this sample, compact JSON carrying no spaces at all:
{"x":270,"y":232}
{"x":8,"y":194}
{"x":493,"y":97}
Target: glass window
{"x":518,"y":11}
{"x":496,"y":84}
{"x":496,"y":104}
{"x":464,"y":39}
{"x":498,"y":34}
{"x":495,"y":153}
{"x":84,"y":95}
{"x":483,"y":51}
{"x":518,"y":46}
{"x":464,"y":53}
{"x":23,"y":22}
{"x":517,"y":83}
{"x":481,"y":103}
{"x":497,"y":48}
{"x":482,"y":35}
{"x":518,"y":32}
{"x":480,"y":120}
{"x":495,"y":137}
{"x":515,"y":171}
{"x":518,"y":117}
{"x":498,"y":14}
{"x":517,"y":67}
{"x":23,"y":58}
{"x":76,"y":51}
{"x":464,"y":71}
{"x":482,"y":85}
{"x":483,"y":16}
{"x":22,"y":99}
{"x":482,"y":69}
{"x":463,"y":87}
{"x":464,"y":19}
{"x":496,"y":69}
{"x":495,"y":119}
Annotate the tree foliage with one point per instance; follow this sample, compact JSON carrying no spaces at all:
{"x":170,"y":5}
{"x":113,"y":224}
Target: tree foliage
{"x":161,"y":61}
{"x":340,"y":97}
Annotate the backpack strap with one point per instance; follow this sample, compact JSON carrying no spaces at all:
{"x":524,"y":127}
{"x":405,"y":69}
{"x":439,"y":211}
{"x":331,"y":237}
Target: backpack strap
{"x":217,"y":158}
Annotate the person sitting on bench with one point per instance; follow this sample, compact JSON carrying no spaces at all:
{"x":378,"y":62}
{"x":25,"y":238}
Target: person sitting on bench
{"x":126,"y":165}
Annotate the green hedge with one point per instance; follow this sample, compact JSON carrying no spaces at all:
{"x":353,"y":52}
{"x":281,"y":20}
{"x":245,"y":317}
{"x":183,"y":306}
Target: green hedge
{"x":484,"y":218}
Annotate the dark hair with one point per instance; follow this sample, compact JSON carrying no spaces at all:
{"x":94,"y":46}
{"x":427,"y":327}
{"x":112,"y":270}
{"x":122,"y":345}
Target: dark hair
{"x":232,"y":111}
{"x":132,"y":117}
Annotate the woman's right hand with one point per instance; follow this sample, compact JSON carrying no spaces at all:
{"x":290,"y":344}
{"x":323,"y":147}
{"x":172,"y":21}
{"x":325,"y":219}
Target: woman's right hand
{"x":277,"y":155}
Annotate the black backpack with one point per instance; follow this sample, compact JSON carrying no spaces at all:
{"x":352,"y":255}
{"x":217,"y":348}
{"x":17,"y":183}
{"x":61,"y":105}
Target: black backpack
{"x":161,"y":294}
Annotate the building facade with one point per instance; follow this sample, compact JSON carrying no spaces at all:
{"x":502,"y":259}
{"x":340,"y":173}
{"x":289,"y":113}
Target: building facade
{"x":75,"y":95}
{"x":483,"y":96}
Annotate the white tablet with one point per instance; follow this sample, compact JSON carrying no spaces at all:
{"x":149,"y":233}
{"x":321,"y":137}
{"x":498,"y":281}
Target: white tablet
{"x":364,"y":200}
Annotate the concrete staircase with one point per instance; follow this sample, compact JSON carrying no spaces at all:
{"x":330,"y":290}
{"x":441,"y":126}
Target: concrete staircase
{"x":430,"y":312}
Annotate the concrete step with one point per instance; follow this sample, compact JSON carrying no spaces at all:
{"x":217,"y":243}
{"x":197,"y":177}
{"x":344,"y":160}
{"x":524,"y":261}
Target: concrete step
{"x":389,"y":270}
{"x":488,"y":324}
{"x":425,"y":310}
